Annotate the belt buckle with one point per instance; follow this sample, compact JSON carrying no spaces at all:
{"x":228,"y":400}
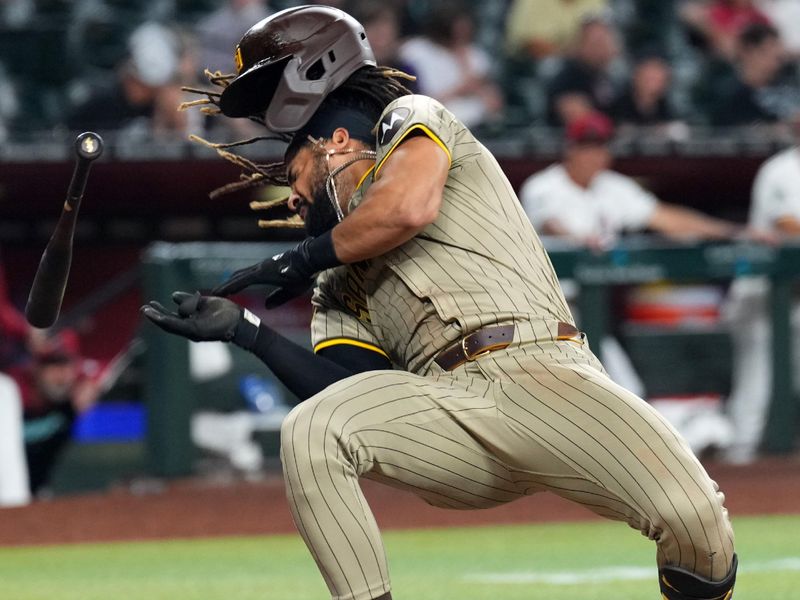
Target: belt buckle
{"x":471,"y":357}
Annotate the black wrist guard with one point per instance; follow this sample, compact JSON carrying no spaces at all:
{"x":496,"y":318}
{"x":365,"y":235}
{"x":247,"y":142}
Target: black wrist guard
{"x":320,"y":254}
{"x":246,"y":330}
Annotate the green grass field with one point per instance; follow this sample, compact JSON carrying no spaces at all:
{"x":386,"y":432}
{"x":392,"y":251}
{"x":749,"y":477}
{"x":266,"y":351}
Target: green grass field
{"x":577,"y":561}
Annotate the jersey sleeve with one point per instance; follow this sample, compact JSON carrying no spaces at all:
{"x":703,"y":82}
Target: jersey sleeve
{"x":333,"y":324}
{"x":414,"y":114}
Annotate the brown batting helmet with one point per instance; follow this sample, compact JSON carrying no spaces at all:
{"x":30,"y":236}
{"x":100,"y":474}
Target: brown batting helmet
{"x":288,"y":63}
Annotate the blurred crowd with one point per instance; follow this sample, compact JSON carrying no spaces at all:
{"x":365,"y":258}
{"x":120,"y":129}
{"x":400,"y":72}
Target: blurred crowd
{"x":500,"y":65}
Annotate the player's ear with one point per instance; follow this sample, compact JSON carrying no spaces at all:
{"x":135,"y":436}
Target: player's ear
{"x":340,"y":138}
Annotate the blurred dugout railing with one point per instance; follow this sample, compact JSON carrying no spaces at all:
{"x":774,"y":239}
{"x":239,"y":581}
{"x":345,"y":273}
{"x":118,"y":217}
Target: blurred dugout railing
{"x":167,"y":267}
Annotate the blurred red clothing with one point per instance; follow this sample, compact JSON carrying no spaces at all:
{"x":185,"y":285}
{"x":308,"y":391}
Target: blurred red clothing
{"x":730,"y":19}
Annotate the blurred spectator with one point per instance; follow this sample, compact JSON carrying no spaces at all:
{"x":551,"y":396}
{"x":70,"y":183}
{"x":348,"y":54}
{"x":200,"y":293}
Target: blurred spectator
{"x":146,"y":93}
{"x":220,"y":32}
{"x":775,"y":207}
{"x":720,"y":22}
{"x":785,"y":16}
{"x":451,"y":68}
{"x":55,"y":387}
{"x":584,"y":82}
{"x":645,"y":100}
{"x":757,"y":91}
{"x":541,"y":28}
{"x":582,"y":199}
{"x":381,"y":23}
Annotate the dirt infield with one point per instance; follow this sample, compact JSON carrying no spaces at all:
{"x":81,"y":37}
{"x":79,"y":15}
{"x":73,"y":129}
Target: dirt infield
{"x":201,"y":508}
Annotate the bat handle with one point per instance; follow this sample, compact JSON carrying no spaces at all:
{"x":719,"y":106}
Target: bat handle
{"x":77,"y":185}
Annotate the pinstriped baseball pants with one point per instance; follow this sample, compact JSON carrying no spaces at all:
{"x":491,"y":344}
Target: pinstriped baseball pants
{"x":534,"y":417}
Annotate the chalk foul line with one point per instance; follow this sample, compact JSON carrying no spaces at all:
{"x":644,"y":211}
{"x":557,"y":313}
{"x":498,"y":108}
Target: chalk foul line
{"x":619,"y":573}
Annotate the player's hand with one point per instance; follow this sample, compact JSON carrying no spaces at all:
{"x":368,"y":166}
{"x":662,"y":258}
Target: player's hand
{"x":292,"y":272}
{"x":199,"y":318}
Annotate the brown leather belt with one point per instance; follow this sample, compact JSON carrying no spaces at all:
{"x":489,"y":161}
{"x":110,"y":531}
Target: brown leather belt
{"x":488,"y":339}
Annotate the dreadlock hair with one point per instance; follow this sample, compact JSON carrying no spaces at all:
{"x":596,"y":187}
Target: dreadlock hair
{"x":369,"y":90}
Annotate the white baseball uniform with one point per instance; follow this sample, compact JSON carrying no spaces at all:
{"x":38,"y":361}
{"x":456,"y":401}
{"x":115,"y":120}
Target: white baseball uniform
{"x":776,"y":195}
{"x":14,"y":489}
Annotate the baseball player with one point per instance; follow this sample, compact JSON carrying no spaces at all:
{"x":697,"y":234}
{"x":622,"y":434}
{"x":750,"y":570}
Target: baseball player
{"x":422,"y":259}
{"x":775,"y":207}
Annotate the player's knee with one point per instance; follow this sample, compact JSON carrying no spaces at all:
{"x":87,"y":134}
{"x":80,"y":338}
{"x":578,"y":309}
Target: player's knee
{"x":700,"y":533}
{"x":308,"y":430}
{"x":680,"y":584}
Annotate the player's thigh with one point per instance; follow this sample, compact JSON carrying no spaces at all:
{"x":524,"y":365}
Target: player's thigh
{"x":629,"y":451}
{"x":408,"y":431}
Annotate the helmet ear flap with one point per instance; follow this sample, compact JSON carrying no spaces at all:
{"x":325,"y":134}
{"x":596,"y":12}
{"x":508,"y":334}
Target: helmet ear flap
{"x":295,"y":99}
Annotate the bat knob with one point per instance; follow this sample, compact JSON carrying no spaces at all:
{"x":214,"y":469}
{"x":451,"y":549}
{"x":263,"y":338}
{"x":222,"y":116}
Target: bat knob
{"x":89,"y":145}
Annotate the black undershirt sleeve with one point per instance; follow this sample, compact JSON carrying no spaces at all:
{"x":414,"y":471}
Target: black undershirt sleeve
{"x":306,"y":373}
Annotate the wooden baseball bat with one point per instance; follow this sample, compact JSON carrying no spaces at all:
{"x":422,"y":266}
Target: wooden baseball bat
{"x":50,"y":281}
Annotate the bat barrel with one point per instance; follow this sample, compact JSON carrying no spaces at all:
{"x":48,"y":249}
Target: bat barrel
{"x":50,"y":281}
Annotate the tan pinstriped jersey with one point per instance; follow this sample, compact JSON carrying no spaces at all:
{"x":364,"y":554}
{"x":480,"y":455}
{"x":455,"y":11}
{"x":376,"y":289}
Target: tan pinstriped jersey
{"x":480,"y":262}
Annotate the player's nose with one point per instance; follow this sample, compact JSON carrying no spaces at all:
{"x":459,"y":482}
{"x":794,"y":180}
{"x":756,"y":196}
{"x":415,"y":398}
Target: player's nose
{"x":294,"y":202}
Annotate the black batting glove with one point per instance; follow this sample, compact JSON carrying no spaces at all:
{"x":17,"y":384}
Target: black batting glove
{"x":205,"y":318}
{"x":292,"y":272}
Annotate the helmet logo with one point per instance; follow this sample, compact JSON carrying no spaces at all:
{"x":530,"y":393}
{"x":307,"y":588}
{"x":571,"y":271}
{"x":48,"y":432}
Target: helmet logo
{"x":238,"y":58}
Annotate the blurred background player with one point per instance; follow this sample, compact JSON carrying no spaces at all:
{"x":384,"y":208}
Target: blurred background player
{"x":776,"y":208}
{"x":583,"y":199}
